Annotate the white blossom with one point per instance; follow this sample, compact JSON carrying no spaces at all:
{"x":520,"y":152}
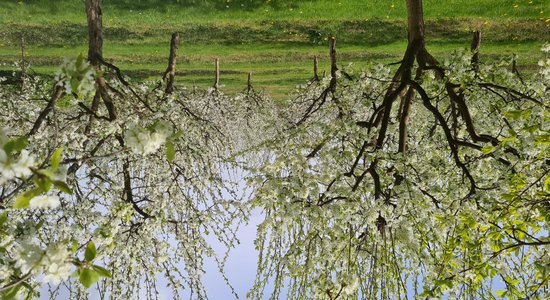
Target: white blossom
{"x":77,"y":76}
{"x":28,"y":256}
{"x":44,"y":201}
{"x":146,"y":141}
{"x":57,"y":264}
{"x":20,"y":168}
{"x":351,"y":286}
{"x":5,"y":272}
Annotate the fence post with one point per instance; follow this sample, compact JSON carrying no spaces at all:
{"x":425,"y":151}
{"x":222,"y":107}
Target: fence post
{"x":217,"y":79}
{"x":476,"y":43}
{"x":23,"y":63}
{"x":315,"y":68}
{"x":249,"y":83}
{"x":333,"y":67}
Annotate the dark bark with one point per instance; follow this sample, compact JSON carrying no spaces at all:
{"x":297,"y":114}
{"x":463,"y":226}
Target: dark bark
{"x":249,"y":83}
{"x":315,"y":69}
{"x":476,"y":43}
{"x":333,"y":66}
{"x":95,"y":53}
{"x":58,"y":91}
{"x":95,"y":36}
{"x":170,"y":72}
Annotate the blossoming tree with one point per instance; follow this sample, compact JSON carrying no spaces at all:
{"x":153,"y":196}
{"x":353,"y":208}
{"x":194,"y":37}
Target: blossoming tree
{"x":103,"y":178}
{"x":431,"y":181}
{"x":424,"y":179}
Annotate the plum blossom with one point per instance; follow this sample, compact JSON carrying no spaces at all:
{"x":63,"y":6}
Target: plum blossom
{"x":57,"y":264}
{"x":545,"y":68}
{"x":44,"y":201}
{"x":27,"y":256}
{"x":145,"y":141}
{"x":10,"y":169}
{"x":77,"y":76}
{"x":5,"y":272}
{"x":351,"y":287}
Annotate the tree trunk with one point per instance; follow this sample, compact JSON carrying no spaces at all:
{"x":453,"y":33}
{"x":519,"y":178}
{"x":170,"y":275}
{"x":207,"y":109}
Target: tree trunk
{"x":95,"y":36}
{"x":170,"y":72}
{"x":416,"y":50}
{"x":95,"y":52}
{"x":415,"y":18}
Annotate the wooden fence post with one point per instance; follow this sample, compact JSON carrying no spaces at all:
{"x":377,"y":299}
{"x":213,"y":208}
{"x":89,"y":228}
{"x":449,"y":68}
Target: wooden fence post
{"x":315,"y":68}
{"x":476,"y":43}
{"x":217,"y":79}
{"x":249,"y":83}
{"x":23,"y":63}
{"x":333,"y":67}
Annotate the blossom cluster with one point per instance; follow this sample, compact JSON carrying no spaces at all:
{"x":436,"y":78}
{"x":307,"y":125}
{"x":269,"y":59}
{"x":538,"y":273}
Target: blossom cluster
{"x":11,"y":167}
{"x":54,"y":261}
{"x":145,"y":141}
{"x":77,"y":76}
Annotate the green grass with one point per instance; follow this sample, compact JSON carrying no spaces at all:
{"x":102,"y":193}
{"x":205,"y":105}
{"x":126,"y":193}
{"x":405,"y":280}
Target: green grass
{"x":141,"y":12}
{"x":276,"y":40}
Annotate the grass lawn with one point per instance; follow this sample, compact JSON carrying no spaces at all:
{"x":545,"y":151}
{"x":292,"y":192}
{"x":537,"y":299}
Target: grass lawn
{"x":275,"y":40}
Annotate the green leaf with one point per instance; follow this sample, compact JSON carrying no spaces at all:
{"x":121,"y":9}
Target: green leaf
{"x":517,"y":222}
{"x":62,"y":186}
{"x":47,"y":173}
{"x":56,"y":158}
{"x":90,"y":252}
{"x":101,"y":271}
{"x":15,"y":145}
{"x":74,"y":84}
{"x":170,"y":151}
{"x":512,"y":132}
{"x":177,"y":135}
{"x":547,"y":184}
{"x":43,"y":182}
{"x":532,"y":128}
{"x":11,"y":293}
{"x":30,"y":292}
{"x":3,"y":218}
{"x":79,"y":61}
{"x":24,"y":200}
{"x":543,"y":138}
{"x":508,"y":139}
{"x":488,"y":149}
{"x":75,"y":274}
{"x":508,"y":197}
{"x":513,"y":114}
{"x":39,"y":224}
{"x":74,"y":246}
{"x":88,"y":277}
{"x":515,"y":282}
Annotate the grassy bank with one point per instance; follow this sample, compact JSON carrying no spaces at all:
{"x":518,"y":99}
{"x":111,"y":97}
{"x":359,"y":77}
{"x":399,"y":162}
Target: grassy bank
{"x":275,"y":40}
{"x":138,"y":12}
